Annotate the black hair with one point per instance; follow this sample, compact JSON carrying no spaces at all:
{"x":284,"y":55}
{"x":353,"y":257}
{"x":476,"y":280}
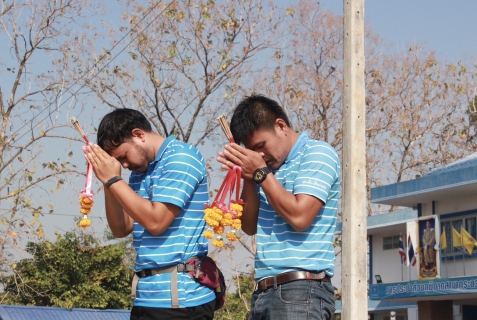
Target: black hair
{"x":255,"y":112}
{"x":116,"y":127}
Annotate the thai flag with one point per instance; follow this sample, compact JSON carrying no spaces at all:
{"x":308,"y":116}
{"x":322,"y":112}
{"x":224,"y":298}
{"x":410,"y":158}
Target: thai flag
{"x":412,"y":257}
{"x":401,"y":250}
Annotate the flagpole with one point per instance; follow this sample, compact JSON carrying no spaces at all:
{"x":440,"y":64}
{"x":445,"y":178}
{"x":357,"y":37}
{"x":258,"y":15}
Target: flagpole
{"x":445,"y":257}
{"x":462,"y":248}
{"x":408,"y":258}
{"x":455,"y":264}
{"x":402,"y":272}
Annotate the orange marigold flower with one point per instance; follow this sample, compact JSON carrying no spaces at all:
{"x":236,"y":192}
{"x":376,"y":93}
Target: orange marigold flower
{"x":84,"y":223}
{"x":208,"y":211}
{"x":219,"y":229}
{"x":208,"y":234}
{"x":227,"y":221}
{"x":236,"y":207}
{"x":231,"y":236}
{"x":211,"y":220}
{"x":86,"y":203}
{"x":85,"y":210}
{"x":236,"y":224}
{"x":86,"y":200}
{"x":218,"y":242}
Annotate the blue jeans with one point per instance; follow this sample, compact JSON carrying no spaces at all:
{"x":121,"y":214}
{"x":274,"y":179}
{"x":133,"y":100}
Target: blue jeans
{"x":297,"y":300}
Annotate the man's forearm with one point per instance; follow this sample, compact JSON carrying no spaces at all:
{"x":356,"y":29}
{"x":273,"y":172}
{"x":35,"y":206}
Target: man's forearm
{"x":155,"y":217}
{"x":119,"y":222}
{"x":299,"y":211}
{"x":250,"y":211}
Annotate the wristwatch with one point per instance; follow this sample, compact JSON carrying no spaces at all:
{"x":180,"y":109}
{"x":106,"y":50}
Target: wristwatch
{"x":112,"y":180}
{"x":260,"y":174}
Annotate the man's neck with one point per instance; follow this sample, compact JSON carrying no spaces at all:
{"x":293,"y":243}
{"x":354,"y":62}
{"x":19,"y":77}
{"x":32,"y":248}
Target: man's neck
{"x":155,"y":142}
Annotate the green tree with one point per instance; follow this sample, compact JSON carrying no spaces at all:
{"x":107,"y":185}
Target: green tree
{"x":237,"y":304}
{"x":75,"y":271}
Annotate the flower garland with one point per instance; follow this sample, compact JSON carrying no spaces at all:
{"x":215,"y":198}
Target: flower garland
{"x":86,"y":198}
{"x":220,"y":215}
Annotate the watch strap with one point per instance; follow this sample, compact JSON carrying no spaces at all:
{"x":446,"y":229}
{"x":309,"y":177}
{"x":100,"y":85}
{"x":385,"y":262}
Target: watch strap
{"x":263,"y":172}
{"x":112,"y":180}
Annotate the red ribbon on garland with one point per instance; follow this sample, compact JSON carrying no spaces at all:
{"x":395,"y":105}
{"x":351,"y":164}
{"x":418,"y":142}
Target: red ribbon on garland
{"x":231,"y":182}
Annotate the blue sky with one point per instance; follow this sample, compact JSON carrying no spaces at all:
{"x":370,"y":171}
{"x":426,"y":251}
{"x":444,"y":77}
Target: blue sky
{"x":446,"y":27}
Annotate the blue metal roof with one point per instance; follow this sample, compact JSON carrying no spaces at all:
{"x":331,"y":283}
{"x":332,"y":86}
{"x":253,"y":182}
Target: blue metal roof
{"x":456,"y":179}
{"x":466,"y":162}
{"x":385,"y":219}
{"x":51,"y":313}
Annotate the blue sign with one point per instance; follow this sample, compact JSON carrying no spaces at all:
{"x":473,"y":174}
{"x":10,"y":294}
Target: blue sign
{"x":423,"y":288}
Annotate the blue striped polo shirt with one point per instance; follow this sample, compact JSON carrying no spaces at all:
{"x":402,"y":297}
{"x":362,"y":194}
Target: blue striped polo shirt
{"x":312,"y":167}
{"x":177,"y":176}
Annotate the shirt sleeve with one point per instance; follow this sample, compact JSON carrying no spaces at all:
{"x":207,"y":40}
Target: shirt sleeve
{"x":180,"y":176}
{"x":318,"y":172}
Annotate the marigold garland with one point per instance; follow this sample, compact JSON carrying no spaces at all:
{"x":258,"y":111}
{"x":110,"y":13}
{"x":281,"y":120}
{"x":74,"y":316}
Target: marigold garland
{"x":218,"y":242}
{"x":208,"y":234}
{"x":231,"y":236}
{"x":220,"y":215}
{"x":86,"y":198}
{"x":86,"y":204}
{"x":85,"y":222}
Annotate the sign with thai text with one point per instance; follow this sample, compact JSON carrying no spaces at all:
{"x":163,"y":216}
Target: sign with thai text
{"x":423,"y":288}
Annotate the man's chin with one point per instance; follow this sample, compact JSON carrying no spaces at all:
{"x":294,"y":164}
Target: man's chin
{"x":273,"y":165}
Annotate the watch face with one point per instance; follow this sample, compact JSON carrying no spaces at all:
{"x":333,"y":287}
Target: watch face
{"x":258,"y":175}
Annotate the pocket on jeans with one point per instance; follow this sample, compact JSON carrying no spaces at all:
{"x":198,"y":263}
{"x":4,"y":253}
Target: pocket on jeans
{"x":327,"y":310}
{"x":290,"y":293}
{"x":328,"y":289}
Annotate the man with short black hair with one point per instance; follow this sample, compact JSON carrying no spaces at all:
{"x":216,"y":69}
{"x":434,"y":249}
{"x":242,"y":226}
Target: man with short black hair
{"x":291,"y":190}
{"x":162,"y":206}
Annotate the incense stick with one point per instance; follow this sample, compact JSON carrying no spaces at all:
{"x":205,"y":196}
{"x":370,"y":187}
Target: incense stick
{"x":226,"y":128}
{"x":78,"y":128}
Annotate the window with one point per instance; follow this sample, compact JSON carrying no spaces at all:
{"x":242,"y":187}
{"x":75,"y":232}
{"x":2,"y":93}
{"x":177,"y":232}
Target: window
{"x":470,"y":225}
{"x":392,"y":243}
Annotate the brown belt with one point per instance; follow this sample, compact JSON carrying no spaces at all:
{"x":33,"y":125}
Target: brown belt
{"x":293,"y":276}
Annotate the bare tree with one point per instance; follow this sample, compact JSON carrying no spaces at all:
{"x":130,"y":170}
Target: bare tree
{"x":35,"y":55}
{"x":188,"y":61}
{"x":417,"y":107}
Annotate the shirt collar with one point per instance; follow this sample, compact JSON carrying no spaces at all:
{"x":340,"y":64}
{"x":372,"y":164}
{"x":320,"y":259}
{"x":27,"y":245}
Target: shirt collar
{"x":163,"y":147}
{"x":300,"y":142}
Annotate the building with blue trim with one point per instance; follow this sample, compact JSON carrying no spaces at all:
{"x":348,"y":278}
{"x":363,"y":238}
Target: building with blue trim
{"x":443,"y":283}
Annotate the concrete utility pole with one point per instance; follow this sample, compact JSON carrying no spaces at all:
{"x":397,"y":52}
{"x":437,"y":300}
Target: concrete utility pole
{"x":354,"y":243}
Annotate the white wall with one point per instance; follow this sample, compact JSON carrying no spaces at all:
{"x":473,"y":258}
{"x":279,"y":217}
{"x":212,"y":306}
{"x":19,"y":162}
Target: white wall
{"x":387,"y":263}
{"x":457,"y":204}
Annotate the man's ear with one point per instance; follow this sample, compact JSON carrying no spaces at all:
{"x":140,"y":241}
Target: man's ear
{"x":138,"y":133}
{"x":281,"y":125}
